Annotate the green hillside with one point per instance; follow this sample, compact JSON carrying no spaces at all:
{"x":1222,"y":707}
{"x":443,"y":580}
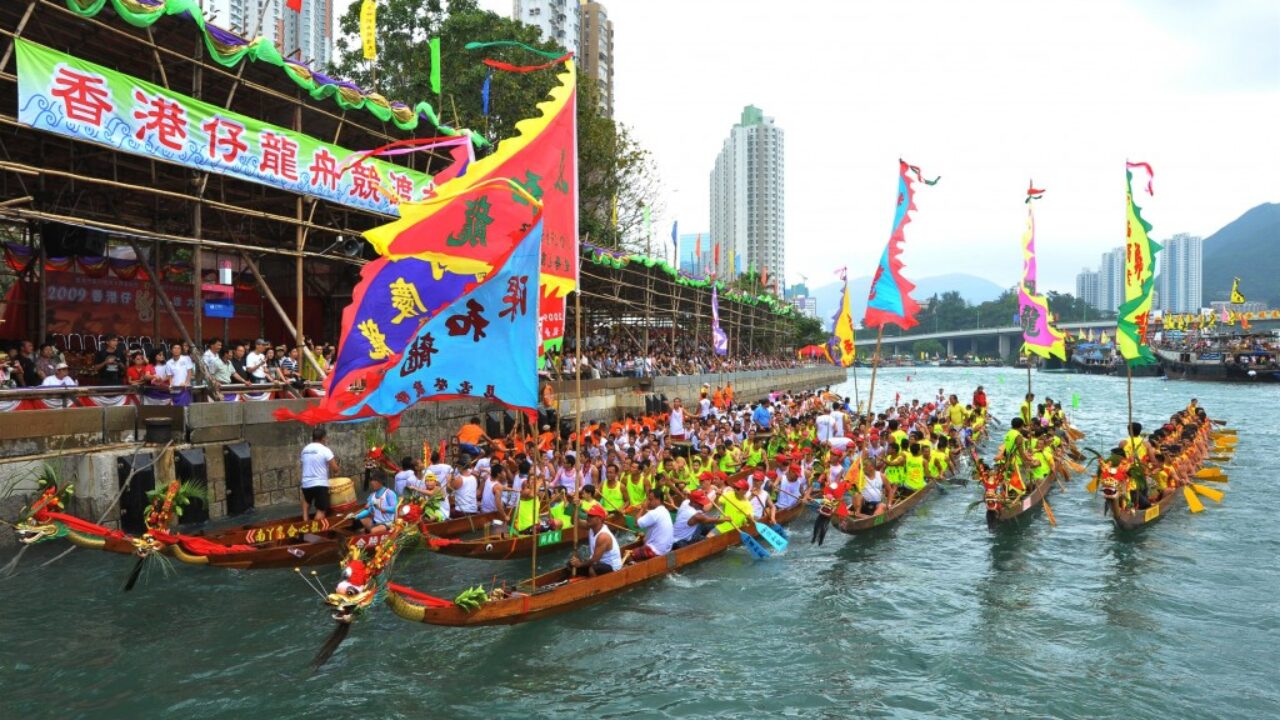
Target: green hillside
{"x":1248,"y":248}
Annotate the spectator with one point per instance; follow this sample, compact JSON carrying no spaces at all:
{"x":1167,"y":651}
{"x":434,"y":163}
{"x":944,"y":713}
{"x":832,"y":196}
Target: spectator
{"x":289,"y":365}
{"x":161,"y":370}
{"x":239,"y":372}
{"x":61,"y":377}
{"x":272,"y":368}
{"x":255,"y":362}
{"x":109,"y":362}
{"x":140,"y":373}
{"x":212,"y":354}
{"x":221,"y":370}
{"x":47,"y":360}
{"x":179,"y":369}
{"x":27,"y":361}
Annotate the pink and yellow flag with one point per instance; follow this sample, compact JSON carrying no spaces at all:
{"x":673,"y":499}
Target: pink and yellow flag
{"x":1039,"y":336}
{"x":1139,"y":277}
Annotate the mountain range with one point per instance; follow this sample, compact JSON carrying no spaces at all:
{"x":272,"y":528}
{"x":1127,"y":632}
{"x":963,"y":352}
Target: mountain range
{"x":971,"y":287}
{"x":1248,"y":248}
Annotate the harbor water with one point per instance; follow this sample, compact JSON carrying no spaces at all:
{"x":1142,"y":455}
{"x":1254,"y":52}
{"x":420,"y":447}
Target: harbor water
{"x":935,"y":617}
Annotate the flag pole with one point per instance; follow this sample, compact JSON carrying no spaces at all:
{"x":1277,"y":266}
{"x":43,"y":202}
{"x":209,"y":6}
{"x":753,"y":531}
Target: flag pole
{"x":577,"y":407}
{"x":875,"y":365}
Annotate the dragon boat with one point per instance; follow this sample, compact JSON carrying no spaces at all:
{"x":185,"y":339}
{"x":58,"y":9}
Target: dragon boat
{"x":1115,"y":475}
{"x":554,"y":592}
{"x":854,"y":525}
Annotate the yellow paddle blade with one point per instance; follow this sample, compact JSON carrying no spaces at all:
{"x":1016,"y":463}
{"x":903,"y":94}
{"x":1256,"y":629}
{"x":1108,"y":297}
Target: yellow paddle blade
{"x":1214,"y":478}
{"x":1206,"y":473}
{"x":1225,"y":431}
{"x":1048,"y":512}
{"x":1074,"y":467}
{"x":1193,"y":502}
{"x":1213,"y":494}
{"x":1092,"y":486}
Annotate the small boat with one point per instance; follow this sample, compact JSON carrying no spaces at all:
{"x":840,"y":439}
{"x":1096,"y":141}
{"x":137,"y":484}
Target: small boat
{"x":854,"y":525}
{"x":555,"y":592}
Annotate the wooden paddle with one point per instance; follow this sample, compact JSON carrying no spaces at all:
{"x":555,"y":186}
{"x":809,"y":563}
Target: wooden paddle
{"x":1048,"y":511}
{"x":1213,"y":494}
{"x":1193,"y":502}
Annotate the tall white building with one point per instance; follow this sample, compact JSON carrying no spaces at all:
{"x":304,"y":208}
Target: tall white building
{"x":559,"y":20}
{"x":747,"y":194}
{"x":1111,"y":280}
{"x":1087,"y":287}
{"x":1178,"y":265}
{"x":306,"y":35}
{"x":595,"y":50}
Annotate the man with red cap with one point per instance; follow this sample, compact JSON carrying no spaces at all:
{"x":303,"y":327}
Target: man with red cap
{"x":605,"y":555}
{"x":692,"y":521}
{"x":733,"y":501}
{"x":657,"y":528}
{"x":761,"y":504}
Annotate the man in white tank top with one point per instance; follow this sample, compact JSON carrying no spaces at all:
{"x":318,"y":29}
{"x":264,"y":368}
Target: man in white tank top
{"x":675,"y":424}
{"x":464,"y":496}
{"x":605,"y":555}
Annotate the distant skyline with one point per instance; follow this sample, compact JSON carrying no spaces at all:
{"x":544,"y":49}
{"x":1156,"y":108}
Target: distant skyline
{"x":986,"y":94}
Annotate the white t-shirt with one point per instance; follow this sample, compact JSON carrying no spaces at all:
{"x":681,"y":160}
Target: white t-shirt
{"x":55,"y":381}
{"x":315,"y":465}
{"x":677,"y":422}
{"x":837,"y":419}
{"x":464,"y":498}
{"x":402,"y":480}
{"x":873,"y":489}
{"x":442,"y":472}
{"x":824,"y":425}
{"x":254,"y":358}
{"x":840,"y":442}
{"x":658,"y":532}
{"x":682,"y":530}
{"x":179,"y":371}
{"x":790,"y":492}
{"x":704,"y":407}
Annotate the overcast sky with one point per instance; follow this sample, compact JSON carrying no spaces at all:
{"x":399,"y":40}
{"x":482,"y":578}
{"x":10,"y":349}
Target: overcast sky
{"x":985,"y":94}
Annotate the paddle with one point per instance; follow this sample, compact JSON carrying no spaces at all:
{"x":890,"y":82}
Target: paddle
{"x":1048,"y":511}
{"x":133,"y":575}
{"x":753,"y":547}
{"x":1209,"y":473}
{"x":1213,"y":494}
{"x":770,"y":536}
{"x":1092,"y":487}
{"x":1193,"y":502}
{"x":1213,"y":478}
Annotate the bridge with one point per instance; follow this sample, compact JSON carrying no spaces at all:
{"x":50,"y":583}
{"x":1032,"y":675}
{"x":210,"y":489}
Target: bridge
{"x":1004,"y":337}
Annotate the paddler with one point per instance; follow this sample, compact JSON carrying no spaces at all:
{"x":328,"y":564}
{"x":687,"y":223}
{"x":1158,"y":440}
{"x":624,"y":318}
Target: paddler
{"x":605,"y":555}
{"x":692,"y":522}
{"x":380,"y":508}
{"x":656,"y":525}
{"x":914,"y":466}
{"x":1028,"y":408}
{"x":611,"y":492}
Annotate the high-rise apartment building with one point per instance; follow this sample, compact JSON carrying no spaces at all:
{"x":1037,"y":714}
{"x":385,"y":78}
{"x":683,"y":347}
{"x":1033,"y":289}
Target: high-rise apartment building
{"x":559,"y":20}
{"x":1087,"y":287}
{"x":747,"y":194}
{"x":306,"y":35}
{"x":1178,"y":266}
{"x":595,"y":50}
{"x":1111,"y":280}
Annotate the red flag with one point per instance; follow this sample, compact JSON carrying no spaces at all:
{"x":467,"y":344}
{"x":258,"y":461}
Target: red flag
{"x":716,"y":262}
{"x":764,"y":276}
{"x":294,"y":5}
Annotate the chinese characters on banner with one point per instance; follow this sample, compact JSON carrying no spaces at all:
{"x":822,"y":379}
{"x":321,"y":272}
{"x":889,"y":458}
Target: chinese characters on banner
{"x":69,"y":96}
{"x":483,"y":344}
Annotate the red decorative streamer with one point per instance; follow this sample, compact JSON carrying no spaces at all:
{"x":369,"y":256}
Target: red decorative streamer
{"x":508,"y":67}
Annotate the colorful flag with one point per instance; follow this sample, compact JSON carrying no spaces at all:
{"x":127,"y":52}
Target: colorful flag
{"x":1139,"y":278}
{"x":484,"y":110}
{"x":434,"y":44}
{"x":369,"y":29}
{"x":715,"y":264}
{"x":1237,"y":297}
{"x":842,"y":331}
{"x":719,"y":340}
{"x":764,"y":276}
{"x":477,"y":217}
{"x":435,"y":359}
{"x":1039,"y":336}
{"x":294,"y":5}
{"x":890,"y":300}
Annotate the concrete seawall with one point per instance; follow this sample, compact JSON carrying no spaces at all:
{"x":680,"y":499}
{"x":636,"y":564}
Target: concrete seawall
{"x":87,"y":445}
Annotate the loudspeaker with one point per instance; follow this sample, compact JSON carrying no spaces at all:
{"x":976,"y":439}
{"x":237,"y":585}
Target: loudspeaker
{"x":133,"y":501}
{"x":191,"y":468}
{"x":238,"y":462}
{"x":69,"y":241}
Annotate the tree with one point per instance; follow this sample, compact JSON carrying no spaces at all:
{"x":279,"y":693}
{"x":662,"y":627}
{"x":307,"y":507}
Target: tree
{"x":808,"y":331}
{"x":611,"y":164}
{"x":927,"y":348}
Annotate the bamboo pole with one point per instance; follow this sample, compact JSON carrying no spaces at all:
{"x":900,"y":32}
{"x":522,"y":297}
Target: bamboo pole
{"x":275,"y":304}
{"x":577,"y":410}
{"x":201,"y":372}
{"x":875,"y":365}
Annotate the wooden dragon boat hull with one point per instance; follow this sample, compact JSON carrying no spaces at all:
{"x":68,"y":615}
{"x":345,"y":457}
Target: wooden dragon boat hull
{"x":854,"y":525}
{"x":1133,"y":518}
{"x":562,"y":594}
{"x":1030,"y":502}
{"x":314,"y":548}
{"x":506,"y":547}
{"x":278,"y":529}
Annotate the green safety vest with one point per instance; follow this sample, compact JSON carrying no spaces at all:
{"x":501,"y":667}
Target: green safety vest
{"x":611,"y":496}
{"x":526,"y":514}
{"x":635,"y":490}
{"x":915,"y":472}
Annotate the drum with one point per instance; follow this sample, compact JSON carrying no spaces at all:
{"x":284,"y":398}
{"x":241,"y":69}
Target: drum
{"x":341,"y":491}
